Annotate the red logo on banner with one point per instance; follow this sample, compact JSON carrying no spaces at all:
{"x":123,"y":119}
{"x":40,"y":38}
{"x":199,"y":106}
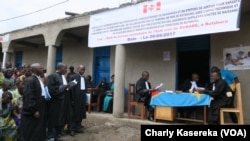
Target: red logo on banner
{"x":152,"y":7}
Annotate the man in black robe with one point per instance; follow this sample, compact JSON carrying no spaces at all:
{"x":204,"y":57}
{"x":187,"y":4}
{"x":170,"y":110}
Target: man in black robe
{"x":187,"y":87}
{"x":57,"y":110}
{"x":78,"y":100}
{"x":143,"y":93}
{"x":33,"y":124}
{"x":222,"y":96}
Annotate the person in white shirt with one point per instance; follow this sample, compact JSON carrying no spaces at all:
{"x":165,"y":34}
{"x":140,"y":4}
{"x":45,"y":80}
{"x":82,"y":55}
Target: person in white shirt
{"x":143,"y":93}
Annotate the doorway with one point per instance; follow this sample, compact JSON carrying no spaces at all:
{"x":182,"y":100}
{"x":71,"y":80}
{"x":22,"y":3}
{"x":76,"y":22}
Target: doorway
{"x":102,"y":64}
{"x":59,"y":54}
{"x":18,"y":59}
{"x":193,"y":57}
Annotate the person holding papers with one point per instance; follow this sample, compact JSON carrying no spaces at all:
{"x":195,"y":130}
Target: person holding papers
{"x":222,"y":97}
{"x":143,"y":93}
{"x":190,"y":87}
{"x":33,"y":124}
{"x":188,"y":84}
{"x":58,"y":88}
{"x":78,"y":101}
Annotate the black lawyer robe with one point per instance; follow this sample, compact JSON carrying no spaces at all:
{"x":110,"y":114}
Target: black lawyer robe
{"x":33,"y":129}
{"x":220,"y":100}
{"x":142,"y":93}
{"x":56,"y":108}
{"x":187,"y":111}
{"x":78,"y":98}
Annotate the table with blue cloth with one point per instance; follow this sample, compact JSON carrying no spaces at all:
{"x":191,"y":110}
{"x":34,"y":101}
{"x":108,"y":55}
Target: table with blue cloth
{"x":165,"y":102}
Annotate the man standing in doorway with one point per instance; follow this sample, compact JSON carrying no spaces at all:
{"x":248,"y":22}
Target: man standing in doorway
{"x":143,"y":93}
{"x":57,"y":85}
{"x":231,"y":79}
{"x":33,"y":125}
{"x":78,"y":101}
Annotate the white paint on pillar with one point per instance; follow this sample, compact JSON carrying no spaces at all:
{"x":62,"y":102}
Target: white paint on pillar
{"x":120,"y":65}
{"x":4,"y":60}
{"x":51,"y":60}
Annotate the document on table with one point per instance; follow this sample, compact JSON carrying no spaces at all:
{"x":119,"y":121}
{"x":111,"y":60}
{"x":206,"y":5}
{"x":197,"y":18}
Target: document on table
{"x":168,"y":91}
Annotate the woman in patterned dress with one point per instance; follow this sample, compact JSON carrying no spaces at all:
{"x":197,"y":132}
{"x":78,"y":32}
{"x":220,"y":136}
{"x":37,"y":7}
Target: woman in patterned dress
{"x":8,"y":128}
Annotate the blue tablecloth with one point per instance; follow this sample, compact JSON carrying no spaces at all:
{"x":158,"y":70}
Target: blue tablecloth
{"x":179,"y":99}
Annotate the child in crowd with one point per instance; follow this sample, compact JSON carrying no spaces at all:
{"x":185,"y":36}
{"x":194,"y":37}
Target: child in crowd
{"x":18,"y":101}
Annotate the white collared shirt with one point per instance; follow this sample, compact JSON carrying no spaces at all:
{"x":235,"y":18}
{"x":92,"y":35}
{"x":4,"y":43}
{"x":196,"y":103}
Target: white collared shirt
{"x":64,"y":80}
{"x":41,"y":84}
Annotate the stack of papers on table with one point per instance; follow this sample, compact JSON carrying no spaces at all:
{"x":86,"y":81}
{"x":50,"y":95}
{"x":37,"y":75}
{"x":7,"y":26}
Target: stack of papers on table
{"x":168,"y":91}
{"x":200,"y":88}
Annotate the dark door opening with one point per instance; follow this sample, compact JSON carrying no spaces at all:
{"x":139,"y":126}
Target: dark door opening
{"x":59,"y":54}
{"x":193,"y":57}
{"x":193,"y":61}
{"x":18,"y":59}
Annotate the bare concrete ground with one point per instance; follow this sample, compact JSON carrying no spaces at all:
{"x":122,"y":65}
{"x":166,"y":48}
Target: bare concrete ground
{"x":104,"y":127}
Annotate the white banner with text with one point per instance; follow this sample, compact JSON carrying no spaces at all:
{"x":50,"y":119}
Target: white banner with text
{"x":163,"y":19}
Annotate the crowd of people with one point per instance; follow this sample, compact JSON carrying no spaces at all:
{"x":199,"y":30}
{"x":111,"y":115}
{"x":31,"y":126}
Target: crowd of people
{"x":37,"y":107}
{"x":28,"y":114}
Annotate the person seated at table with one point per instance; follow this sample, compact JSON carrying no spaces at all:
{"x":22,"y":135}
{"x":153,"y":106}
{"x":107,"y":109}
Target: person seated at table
{"x":108,"y":100}
{"x":188,"y":83}
{"x":186,"y":112}
{"x":221,"y":95}
{"x":143,"y":93}
{"x":231,"y":79}
{"x":102,"y":88}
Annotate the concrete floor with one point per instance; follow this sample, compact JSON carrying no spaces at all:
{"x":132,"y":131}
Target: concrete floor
{"x":104,"y":127}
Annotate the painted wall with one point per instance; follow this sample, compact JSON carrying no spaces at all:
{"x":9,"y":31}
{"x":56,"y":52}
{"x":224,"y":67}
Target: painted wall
{"x":148,"y":56}
{"x":33,"y":55}
{"x":75,"y":54}
{"x":234,"y":39}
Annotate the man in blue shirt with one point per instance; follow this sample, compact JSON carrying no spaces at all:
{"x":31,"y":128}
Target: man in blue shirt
{"x":231,"y":80}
